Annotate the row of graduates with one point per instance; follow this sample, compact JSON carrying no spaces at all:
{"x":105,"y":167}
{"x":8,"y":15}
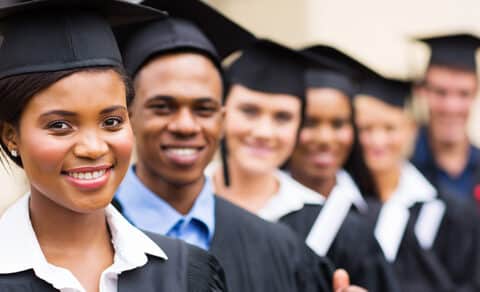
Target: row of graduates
{"x":377,"y":216}
{"x":65,"y":119}
{"x":277,"y":102}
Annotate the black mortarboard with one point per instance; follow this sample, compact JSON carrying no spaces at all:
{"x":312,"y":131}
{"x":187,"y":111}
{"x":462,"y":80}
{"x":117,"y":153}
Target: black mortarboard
{"x":271,"y":68}
{"x":343,"y":78}
{"x":193,"y":26}
{"x":52,"y":35}
{"x":392,"y":91}
{"x":456,"y":50}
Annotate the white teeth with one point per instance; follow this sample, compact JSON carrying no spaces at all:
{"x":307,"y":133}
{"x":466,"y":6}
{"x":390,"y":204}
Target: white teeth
{"x":183,"y":151}
{"x":87,"y":175}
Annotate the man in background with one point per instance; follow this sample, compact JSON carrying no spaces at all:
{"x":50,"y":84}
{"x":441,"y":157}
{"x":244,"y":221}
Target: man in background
{"x":443,"y":150}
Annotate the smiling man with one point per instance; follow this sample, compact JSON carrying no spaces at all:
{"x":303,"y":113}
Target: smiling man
{"x":444,"y":152}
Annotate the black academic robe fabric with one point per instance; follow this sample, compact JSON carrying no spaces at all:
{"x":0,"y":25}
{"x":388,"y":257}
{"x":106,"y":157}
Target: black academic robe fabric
{"x":457,"y":245}
{"x":188,"y":268}
{"x":353,"y":249}
{"x":260,"y":256}
{"x":452,"y":264}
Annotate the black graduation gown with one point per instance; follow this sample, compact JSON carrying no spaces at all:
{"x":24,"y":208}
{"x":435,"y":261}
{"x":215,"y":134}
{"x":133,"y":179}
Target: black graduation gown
{"x":457,"y":245}
{"x":452,"y":264}
{"x":353,"y":249}
{"x":260,"y":256}
{"x":188,"y":268}
{"x":415,"y":268}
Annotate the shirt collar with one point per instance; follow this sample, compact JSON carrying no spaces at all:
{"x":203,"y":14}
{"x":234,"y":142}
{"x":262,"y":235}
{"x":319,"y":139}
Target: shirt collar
{"x":345,"y":186}
{"x":150,"y":212}
{"x":413,"y":187}
{"x":291,"y":197}
{"x":131,"y":245}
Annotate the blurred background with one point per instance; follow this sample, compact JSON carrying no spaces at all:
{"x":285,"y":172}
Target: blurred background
{"x":377,"y":32}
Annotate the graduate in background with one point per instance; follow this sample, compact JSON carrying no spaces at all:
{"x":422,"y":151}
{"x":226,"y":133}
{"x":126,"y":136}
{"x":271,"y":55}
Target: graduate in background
{"x":177,"y":117}
{"x":64,"y":120}
{"x":429,"y":239}
{"x":443,"y":150}
{"x":265,"y":110}
{"x":326,"y":155}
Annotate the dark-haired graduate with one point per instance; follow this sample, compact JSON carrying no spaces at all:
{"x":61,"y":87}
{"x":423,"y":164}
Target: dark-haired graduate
{"x":444,"y":152}
{"x":64,"y":120}
{"x":430,"y":239}
{"x":328,"y":159}
{"x":177,"y":117}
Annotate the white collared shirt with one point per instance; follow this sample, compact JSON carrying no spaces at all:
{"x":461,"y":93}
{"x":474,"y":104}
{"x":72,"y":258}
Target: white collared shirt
{"x":324,"y":230}
{"x":392,"y":221}
{"x":291,"y":197}
{"x":20,"y":250}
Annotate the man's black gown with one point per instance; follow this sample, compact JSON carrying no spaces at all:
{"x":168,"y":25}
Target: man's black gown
{"x":260,"y":256}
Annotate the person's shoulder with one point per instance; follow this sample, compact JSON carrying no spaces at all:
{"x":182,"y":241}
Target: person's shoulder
{"x":18,"y":281}
{"x":203,"y":271}
{"x":475,"y":153}
{"x":250,"y":223}
{"x":303,"y":219}
{"x":459,"y":208}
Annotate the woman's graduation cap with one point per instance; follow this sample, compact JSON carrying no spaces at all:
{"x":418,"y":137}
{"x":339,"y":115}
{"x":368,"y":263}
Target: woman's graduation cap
{"x":456,"y":50}
{"x":392,"y":91}
{"x":344,"y":78}
{"x":53,"y":35}
{"x":269,"y":67}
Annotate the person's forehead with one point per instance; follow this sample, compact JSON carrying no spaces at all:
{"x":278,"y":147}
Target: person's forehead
{"x":180,"y":63}
{"x":442,"y":76}
{"x":267,"y":103}
{"x":176,"y":75}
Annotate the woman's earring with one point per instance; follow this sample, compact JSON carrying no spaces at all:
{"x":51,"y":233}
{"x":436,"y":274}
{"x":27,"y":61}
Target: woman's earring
{"x":14,"y":153}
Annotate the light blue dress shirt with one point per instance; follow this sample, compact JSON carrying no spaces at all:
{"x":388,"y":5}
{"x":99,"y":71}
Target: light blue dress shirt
{"x":150,"y":212}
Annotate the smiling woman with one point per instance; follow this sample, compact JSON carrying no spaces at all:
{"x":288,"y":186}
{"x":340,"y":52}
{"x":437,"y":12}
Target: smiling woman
{"x":67,"y":125}
{"x":69,"y":142}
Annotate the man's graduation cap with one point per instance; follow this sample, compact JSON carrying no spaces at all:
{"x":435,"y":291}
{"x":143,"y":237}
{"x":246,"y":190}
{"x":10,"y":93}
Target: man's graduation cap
{"x":344,"y":78}
{"x":53,"y":35}
{"x":193,"y":26}
{"x":456,"y":50}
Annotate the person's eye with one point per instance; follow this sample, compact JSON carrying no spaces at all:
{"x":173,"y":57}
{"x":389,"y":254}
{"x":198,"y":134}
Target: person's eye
{"x":206,"y":110}
{"x":283,"y":117}
{"x":162,"y":107}
{"x":112,"y":123}
{"x":249,"y":111}
{"x":59,"y":126}
{"x":339,"y":123}
{"x":390,"y":128}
